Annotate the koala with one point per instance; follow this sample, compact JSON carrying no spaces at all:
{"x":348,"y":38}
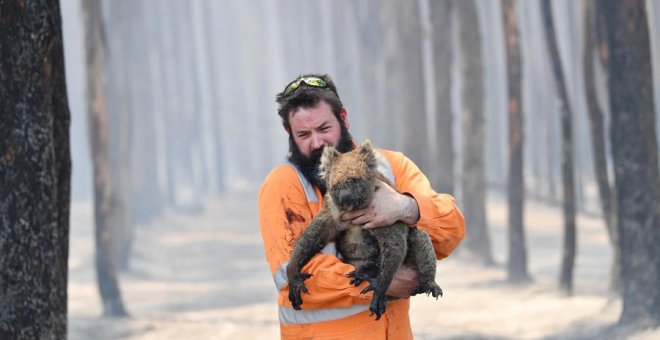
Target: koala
{"x":376,"y":253}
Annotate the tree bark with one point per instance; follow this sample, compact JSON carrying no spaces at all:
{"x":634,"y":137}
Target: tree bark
{"x":442,"y":177}
{"x":635,"y":158}
{"x":597,"y":129}
{"x":35,"y":172}
{"x":568,"y":254}
{"x":473,"y":181}
{"x":105,"y":199}
{"x":405,"y":81}
{"x":517,"y":259}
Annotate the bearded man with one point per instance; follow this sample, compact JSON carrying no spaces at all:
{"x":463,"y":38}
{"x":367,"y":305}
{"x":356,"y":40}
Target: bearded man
{"x":292,"y":194}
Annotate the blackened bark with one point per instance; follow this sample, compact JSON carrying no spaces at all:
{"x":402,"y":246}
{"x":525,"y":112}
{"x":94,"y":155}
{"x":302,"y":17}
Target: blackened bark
{"x":105,"y":198}
{"x":473,"y":181}
{"x":442,"y":177}
{"x":635,"y":158}
{"x":35,"y":172}
{"x":517,"y":260}
{"x":568,"y":254}
{"x":597,"y":129}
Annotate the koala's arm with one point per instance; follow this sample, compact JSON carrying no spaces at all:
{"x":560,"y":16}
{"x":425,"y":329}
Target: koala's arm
{"x":438,"y":214}
{"x":283,"y":215}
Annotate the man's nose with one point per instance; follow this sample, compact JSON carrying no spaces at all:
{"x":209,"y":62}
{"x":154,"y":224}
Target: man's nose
{"x":317,"y":142}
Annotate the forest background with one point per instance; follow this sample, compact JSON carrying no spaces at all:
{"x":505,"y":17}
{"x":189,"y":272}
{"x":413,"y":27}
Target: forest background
{"x":539,"y":116}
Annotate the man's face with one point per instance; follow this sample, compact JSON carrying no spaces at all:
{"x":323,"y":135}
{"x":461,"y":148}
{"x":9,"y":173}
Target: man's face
{"x":312,"y":129}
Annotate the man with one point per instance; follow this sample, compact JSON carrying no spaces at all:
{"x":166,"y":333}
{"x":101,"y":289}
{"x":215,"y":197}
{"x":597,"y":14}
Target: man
{"x":292,"y":194}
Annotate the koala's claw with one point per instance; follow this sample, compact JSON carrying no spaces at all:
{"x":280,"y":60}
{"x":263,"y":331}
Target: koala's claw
{"x":363,"y":273}
{"x":378,"y":305}
{"x":430,"y":288}
{"x":357,"y":277}
{"x":295,"y":287}
{"x":354,"y":279}
{"x":367,"y":289}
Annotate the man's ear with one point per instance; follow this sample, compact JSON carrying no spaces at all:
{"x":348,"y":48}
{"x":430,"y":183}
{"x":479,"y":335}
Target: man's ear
{"x":343,"y":113}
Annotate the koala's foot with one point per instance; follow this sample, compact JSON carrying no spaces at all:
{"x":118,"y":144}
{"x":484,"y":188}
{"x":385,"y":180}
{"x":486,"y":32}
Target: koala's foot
{"x":296,"y":286}
{"x":429,"y":287}
{"x":363,"y":273}
{"x":378,"y":304}
{"x":379,"y":299}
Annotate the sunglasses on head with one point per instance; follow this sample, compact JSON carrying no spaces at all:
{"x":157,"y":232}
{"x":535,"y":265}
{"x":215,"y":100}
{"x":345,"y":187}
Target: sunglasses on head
{"x":311,"y":81}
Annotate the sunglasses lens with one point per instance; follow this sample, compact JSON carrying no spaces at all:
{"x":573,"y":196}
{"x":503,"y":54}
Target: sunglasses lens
{"x":311,"y":81}
{"x":292,"y":87}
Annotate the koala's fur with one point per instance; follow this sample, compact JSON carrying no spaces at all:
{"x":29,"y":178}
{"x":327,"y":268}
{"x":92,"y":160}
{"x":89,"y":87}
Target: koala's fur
{"x":376,"y":253}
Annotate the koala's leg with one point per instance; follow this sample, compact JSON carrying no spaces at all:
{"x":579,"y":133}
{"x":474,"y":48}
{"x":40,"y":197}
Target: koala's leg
{"x":422,"y":255}
{"x":392,"y":244}
{"x":321,"y":231}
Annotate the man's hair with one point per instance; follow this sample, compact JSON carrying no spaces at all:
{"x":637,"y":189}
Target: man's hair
{"x":308,"y":96}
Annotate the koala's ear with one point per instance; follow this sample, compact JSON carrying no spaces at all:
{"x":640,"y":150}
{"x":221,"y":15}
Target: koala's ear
{"x":329,"y":156}
{"x":366,"y":150}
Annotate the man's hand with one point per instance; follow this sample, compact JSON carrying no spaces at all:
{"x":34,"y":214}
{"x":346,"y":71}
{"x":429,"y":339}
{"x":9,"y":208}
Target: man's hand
{"x":404,"y":282}
{"x":387,"y":207}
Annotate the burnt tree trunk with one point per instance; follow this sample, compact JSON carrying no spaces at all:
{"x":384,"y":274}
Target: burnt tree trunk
{"x":568,"y":254}
{"x":635,"y":158}
{"x":597,"y":129}
{"x":35,"y":172}
{"x":517,"y":259}
{"x":442,"y":178}
{"x":105,"y":199}
{"x":473,"y":181}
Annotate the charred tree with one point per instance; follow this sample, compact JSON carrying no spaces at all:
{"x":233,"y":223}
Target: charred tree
{"x":517,"y":259}
{"x":442,"y":177}
{"x":597,"y":129}
{"x":635,"y":157}
{"x":35,"y":172}
{"x":568,"y":182}
{"x":105,"y":199}
{"x":473,"y":182}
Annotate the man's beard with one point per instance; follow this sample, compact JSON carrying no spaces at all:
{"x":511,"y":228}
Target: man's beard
{"x":309,"y":165}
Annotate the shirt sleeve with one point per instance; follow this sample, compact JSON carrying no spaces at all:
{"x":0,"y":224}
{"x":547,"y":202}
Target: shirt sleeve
{"x":283,"y":214}
{"x":438,"y":214}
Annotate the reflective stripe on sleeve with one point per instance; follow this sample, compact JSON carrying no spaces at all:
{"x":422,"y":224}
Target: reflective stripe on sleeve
{"x":280,"y":275}
{"x":384,"y":168}
{"x":288,"y":315}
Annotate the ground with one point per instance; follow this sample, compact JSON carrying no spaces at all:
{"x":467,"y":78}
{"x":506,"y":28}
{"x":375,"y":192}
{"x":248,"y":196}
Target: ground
{"x":204,"y":276}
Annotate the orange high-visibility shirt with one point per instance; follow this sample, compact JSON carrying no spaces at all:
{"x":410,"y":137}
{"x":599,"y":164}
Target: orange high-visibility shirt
{"x":334,"y":308}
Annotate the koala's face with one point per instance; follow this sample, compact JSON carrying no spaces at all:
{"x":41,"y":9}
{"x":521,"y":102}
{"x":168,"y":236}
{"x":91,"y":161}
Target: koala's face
{"x":350,"y":177}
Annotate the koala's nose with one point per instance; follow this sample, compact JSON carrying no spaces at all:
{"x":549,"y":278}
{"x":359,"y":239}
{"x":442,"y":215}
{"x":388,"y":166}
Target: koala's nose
{"x":345,"y":197}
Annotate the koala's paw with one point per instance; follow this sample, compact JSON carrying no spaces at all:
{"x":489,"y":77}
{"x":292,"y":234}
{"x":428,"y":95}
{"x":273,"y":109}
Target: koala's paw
{"x":296,"y":286}
{"x":362,"y":273}
{"x":378,"y":304}
{"x":430,"y":288}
